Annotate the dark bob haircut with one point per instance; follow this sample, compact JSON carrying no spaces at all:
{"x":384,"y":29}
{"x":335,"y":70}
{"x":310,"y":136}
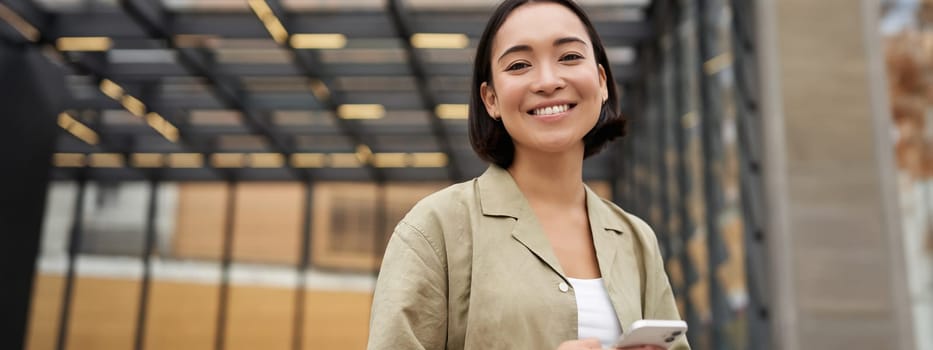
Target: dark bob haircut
{"x":489,"y":138}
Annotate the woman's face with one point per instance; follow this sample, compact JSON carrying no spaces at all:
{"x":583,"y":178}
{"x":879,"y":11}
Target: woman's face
{"x":546,"y":85}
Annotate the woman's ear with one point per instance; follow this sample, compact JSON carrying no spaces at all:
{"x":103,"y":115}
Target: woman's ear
{"x":490,"y":101}
{"x":603,"y":87}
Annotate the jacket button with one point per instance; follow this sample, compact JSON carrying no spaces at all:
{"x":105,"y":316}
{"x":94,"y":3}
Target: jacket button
{"x":563,"y":287}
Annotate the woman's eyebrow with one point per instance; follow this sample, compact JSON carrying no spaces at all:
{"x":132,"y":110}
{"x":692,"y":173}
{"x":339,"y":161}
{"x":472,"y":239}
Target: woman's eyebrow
{"x":557,"y":42}
{"x":569,"y":39}
{"x":513,"y":49}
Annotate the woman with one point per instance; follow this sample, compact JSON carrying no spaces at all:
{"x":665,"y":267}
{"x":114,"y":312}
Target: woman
{"x":525,"y":256}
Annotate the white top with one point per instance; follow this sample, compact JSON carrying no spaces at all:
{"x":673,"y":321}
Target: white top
{"x":596,"y":318}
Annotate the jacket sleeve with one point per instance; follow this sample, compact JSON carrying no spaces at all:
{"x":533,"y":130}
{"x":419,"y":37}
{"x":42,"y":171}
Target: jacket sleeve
{"x":659,"y":297}
{"x":409,"y":308}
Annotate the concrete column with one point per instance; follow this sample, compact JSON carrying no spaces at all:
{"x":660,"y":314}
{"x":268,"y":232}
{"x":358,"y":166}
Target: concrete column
{"x":834,"y":230}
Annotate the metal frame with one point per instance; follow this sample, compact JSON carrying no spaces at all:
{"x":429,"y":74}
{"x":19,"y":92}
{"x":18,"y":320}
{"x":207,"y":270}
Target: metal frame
{"x":149,"y":243}
{"x":149,"y":25}
{"x":682,"y":135}
{"x":97,"y":67}
{"x":155,"y":22}
{"x":225,"y":261}
{"x":711,"y":126}
{"x":304,"y":263}
{"x":306,"y":61}
{"x":756,"y":252}
{"x":646,"y":151}
{"x":141,"y":24}
{"x":74,"y":246}
{"x":401,"y":23}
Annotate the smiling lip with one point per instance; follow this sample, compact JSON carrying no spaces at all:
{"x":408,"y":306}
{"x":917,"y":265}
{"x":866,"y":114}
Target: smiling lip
{"x":550,"y":111}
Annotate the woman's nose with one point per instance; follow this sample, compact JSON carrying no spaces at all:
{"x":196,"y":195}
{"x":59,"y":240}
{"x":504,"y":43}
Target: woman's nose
{"x":548,"y":80}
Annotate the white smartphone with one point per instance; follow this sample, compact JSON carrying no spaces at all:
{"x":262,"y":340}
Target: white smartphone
{"x":661,"y":333}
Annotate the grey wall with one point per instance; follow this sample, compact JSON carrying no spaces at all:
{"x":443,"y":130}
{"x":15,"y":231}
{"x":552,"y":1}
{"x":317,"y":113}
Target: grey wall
{"x":837,"y":257}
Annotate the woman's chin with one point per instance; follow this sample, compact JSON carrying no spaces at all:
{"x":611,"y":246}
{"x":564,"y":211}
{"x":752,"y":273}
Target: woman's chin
{"x":556,"y":146}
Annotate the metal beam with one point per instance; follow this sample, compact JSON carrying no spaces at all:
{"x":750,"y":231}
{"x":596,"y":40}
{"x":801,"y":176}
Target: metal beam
{"x":331,"y":143}
{"x":91,"y":64}
{"x":612,"y":32}
{"x":304,"y":262}
{"x":21,"y":21}
{"x":88,"y":23}
{"x":713,"y":156}
{"x":401,"y":20}
{"x":327,"y":132}
{"x":149,"y":26}
{"x":356,"y":24}
{"x":750,"y":136}
{"x":226,"y":259}
{"x":74,"y":247}
{"x":94,"y":65}
{"x":623,"y":73}
{"x":681,"y":138}
{"x":156,"y":23}
{"x":596,"y":172}
{"x":308,"y":64}
{"x":146,"y":283}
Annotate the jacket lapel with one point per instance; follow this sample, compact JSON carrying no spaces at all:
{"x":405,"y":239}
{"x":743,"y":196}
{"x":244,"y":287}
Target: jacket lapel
{"x":612,"y":237}
{"x":528,"y":231}
{"x":500,"y":196}
{"x":615,"y":253}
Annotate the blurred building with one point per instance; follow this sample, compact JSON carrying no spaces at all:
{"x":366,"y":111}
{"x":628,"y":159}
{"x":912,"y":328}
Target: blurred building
{"x":193,"y":174}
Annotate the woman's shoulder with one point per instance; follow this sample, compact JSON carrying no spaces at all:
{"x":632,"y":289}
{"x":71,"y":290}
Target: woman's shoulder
{"x":446,"y":199}
{"x":446,"y":205}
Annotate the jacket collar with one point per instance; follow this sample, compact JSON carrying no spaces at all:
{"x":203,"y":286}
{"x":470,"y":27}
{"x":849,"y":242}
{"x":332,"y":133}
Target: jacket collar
{"x":500,"y":196}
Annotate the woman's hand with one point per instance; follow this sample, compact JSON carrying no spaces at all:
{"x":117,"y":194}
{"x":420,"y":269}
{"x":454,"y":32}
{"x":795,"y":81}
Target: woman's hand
{"x":593,"y":343}
{"x":584,"y":344}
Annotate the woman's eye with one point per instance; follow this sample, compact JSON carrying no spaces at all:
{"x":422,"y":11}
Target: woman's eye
{"x":571,"y":57}
{"x":517,"y":66}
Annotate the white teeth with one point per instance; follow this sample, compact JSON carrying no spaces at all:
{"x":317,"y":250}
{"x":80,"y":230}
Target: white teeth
{"x":551,"y":110}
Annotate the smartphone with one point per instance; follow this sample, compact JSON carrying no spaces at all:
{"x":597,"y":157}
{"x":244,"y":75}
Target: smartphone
{"x":661,"y":333}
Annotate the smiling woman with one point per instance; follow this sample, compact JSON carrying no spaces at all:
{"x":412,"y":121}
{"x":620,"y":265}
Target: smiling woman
{"x":578,"y":60}
{"x":526,"y":256}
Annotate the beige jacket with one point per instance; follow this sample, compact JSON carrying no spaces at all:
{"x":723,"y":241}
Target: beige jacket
{"x":470,"y":268}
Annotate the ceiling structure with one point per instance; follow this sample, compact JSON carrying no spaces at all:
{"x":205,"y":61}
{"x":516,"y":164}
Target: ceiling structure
{"x":360,"y":90}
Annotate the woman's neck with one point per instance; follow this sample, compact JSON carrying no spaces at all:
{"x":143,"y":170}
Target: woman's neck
{"x":550,"y":178}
